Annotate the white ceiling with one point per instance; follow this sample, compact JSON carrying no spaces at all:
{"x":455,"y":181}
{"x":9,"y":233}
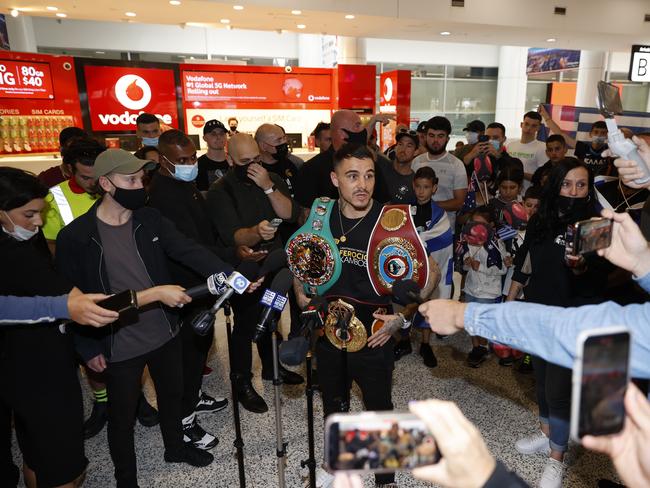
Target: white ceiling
{"x":611,"y":25}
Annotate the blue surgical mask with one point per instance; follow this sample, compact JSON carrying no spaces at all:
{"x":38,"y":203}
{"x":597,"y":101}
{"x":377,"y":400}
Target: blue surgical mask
{"x":599,"y":140}
{"x":186,"y":172}
{"x":20,"y":233}
{"x":150,"y":141}
{"x":496,"y":144}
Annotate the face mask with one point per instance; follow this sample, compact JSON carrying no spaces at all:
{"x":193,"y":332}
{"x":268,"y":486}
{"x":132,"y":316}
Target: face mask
{"x":357,"y":137}
{"x":233,"y":128}
{"x":150,"y":141}
{"x":496,"y":144}
{"x":472,"y":137}
{"x":186,"y":172}
{"x":241,"y":172}
{"x":20,"y":233}
{"x":281,"y":152}
{"x":572,"y":209}
{"x":599,"y":141}
{"x":130,"y":199}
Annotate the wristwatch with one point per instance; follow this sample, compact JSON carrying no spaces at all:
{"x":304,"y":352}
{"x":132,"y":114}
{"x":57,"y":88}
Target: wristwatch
{"x":268,"y":191}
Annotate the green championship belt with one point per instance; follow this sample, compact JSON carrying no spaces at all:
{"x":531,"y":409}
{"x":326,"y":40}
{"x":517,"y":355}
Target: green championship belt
{"x":312,"y":255}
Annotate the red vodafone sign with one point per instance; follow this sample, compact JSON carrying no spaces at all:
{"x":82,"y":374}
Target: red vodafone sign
{"x":25,"y":79}
{"x":116,"y":96}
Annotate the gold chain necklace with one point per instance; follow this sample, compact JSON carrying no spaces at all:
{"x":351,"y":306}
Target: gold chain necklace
{"x":343,"y":233}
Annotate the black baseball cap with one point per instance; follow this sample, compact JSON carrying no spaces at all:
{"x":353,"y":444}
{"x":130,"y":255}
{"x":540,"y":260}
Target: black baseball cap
{"x":213,"y":124}
{"x":475,"y":126}
{"x":422,"y":126}
{"x":411,"y":134}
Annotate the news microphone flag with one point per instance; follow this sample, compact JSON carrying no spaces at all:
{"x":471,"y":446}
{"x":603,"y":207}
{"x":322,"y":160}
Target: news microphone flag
{"x":273,"y":300}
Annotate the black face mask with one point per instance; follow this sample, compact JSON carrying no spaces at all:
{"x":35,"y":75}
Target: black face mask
{"x":281,"y":152}
{"x":360,"y":138}
{"x":572,"y":209}
{"x":233,"y":128}
{"x":130,"y":199}
{"x":241,"y":172}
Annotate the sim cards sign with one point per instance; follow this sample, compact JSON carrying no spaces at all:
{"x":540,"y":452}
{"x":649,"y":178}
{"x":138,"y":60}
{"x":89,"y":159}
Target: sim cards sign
{"x":640,"y":63}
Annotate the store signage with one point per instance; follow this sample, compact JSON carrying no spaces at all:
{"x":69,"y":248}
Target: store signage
{"x":640,"y":63}
{"x":116,"y":96}
{"x":388,"y":96}
{"x":21,"y":79}
{"x":205,"y":86}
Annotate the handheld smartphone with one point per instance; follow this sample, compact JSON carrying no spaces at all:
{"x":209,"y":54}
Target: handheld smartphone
{"x":588,"y":236}
{"x":378,"y":442}
{"x":483,"y":138}
{"x":609,"y":100}
{"x":275,"y":223}
{"x":120,"y":302}
{"x":600,"y":378}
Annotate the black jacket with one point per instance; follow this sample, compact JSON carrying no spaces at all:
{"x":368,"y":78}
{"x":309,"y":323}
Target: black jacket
{"x":79,"y":257}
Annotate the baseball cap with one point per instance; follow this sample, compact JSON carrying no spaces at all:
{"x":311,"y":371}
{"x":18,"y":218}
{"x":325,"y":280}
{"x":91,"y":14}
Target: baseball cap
{"x":210,"y":125}
{"x":422,"y":126}
{"x":119,"y":161}
{"x":411,"y":134}
{"x":475,"y":126}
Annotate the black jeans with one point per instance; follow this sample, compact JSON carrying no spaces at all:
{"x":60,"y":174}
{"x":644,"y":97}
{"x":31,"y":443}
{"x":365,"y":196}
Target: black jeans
{"x":371,"y":369}
{"x":123,"y":380}
{"x":553,"y":385}
{"x":195,"y":354}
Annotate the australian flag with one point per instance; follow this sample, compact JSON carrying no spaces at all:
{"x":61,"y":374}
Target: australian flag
{"x":494,"y":255}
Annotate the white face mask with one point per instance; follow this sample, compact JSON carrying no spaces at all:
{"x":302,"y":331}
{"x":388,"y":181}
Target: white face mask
{"x":472,"y":137}
{"x":19,"y":233}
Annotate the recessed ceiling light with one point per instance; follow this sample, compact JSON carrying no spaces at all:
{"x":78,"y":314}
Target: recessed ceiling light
{"x":100,"y":52}
{"x":14,"y":12}
{"x":61,"y":14}
{"x":174,"y":2}
{"x":349,"y":16}
{"x":225,"y":21}
{"x":296,"y":12}
{"x":301,"y":26}
{"x":551,"y":39}
{"x":238,"y":7}
{"x":445,"y":33}
{"x":52,"y":9}
{"x":130,"y":14}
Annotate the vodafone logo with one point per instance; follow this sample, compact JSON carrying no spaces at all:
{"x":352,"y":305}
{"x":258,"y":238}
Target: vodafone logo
{"x":198,"y":121}
{"x":133,"y":92}
{"x":388,"y":89}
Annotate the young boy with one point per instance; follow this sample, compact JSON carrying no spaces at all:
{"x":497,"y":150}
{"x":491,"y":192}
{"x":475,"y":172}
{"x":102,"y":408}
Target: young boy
{"x":556,"y":149}
{"x":433,"y":227}
{"x":485,"y":265}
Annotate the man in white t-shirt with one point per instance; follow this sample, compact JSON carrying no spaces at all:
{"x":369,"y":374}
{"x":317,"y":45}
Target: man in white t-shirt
{"x":452,"y":177}
{"x":531,"y":151}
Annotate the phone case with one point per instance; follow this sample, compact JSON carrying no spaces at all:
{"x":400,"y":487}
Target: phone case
{"x":577,"y":370}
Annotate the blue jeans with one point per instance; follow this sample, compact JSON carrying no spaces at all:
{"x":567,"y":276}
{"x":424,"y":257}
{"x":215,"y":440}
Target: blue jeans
{"x":471,"y":299}
{"x":553,"y":388}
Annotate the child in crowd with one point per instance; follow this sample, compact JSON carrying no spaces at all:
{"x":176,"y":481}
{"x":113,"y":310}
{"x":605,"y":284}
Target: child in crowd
{"x":556,"y":149}
{"x":509,"y":183}
{"x":485,"y":265}
{"x":433,"y":227}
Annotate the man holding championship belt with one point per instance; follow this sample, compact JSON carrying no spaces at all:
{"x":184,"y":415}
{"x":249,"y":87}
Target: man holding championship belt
{"x":329,"y":257}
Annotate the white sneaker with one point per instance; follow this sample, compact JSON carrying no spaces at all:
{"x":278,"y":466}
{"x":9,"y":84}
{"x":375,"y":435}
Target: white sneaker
{"x":552,"y":475}
{"x":533,"y":444}
{"x":323,"y":479}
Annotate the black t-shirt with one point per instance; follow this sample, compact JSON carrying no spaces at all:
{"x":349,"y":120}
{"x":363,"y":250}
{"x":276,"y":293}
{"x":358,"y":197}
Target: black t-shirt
{"x":209,"y":172}
{"x":422,"y":216}
{"x":286,"y":170}
{"x":593,"y":158}
{"x":400,"y":187}
{"x":353,"y":285}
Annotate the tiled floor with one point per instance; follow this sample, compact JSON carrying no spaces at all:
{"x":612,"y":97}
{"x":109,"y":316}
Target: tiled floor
{"x":499,"y":400}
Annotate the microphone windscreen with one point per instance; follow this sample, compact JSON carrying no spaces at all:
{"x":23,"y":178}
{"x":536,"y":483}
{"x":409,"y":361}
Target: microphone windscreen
{"x":282,"y":282}
{"x":276,"y":259}
{"x":405,"y":291}
{"x":293,"y":351}
{"x":250,"y":270}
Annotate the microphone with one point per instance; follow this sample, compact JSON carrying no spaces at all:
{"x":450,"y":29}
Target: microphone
{"x":237,"y":282}
{"x":214,"y":285}
{"x":293,"y":351}
{"x":406,"y":292}
{"x":313,"y":316}
{"x":274,"y":299}
{"x":276,"y":259}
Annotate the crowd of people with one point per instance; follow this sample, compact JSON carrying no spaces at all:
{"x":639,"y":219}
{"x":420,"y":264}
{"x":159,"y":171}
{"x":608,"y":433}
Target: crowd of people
{"x":163,"y":220}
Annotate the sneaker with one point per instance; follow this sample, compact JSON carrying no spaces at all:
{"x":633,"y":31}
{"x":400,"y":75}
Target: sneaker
{"x":402,"y":348}
{"x":441,"y":337}
{"x":207,"y":404}
{"x":477,"y":355}
{"x":533,"y":444}
{"x":552,"y":474}
{"x":97,"y":420}
{"x":428,"y":356}
{"x":207,"y":370}
{"x":196,"y":436}
{"x":526,"y":365}
{"x":190,"y":455}
{"x":323,"y":479}
{"x":147,"y":415}
{"x":506,"y":361}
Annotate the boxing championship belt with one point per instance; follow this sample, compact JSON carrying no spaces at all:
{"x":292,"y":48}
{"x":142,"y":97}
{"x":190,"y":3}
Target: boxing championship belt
{"x":312,"y":255}
{"x":395,"y":251}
